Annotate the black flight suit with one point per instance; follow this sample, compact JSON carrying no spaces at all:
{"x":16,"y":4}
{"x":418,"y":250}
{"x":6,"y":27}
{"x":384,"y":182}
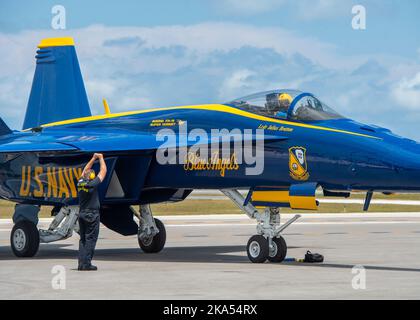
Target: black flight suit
{"x":89,"y":219}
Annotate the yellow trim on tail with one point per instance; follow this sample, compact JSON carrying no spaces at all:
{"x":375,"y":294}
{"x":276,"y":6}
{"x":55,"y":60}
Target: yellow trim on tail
{"x":208,"y":107}
{"x":56,"y":42}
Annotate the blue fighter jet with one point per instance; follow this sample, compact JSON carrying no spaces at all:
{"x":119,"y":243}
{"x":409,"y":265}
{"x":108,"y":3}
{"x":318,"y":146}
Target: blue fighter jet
{"x":305,"y":146}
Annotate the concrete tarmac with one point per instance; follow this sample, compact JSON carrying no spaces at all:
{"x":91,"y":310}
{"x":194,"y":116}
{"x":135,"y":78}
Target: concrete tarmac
{"x":205,"y":258}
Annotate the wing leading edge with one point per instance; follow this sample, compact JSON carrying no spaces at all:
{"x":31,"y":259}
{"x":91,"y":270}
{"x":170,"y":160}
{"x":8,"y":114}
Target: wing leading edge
{"x":115,"y":141}
{"x":127,"y":141}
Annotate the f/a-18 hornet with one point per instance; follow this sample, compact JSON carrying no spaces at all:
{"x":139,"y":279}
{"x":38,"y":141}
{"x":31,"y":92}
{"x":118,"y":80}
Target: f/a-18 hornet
{"x":273,"y":149}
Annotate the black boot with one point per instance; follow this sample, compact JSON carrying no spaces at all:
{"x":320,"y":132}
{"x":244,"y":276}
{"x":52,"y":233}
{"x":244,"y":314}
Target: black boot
{"x":87,"y":268}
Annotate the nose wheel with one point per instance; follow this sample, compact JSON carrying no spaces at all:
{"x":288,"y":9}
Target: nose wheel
{"x":259,"y":249}
{"x":277,"y":250}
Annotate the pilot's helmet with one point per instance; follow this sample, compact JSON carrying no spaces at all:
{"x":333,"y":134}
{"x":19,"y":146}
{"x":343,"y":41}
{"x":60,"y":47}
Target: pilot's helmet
{"x":285,"y":100}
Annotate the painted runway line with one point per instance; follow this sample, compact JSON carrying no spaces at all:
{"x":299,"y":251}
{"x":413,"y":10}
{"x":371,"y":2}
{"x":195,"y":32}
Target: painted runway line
{"x":296,"y":223}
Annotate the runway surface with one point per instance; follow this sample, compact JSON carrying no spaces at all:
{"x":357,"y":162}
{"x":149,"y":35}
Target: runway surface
{"x":205,"y":259}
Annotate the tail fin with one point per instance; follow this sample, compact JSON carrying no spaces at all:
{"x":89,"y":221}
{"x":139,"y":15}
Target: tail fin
{"x":58,"y":92}
{"x":4,"y":129}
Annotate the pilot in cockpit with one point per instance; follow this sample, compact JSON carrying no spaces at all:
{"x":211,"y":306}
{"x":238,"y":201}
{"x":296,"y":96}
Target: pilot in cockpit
{"x":278,"y":104}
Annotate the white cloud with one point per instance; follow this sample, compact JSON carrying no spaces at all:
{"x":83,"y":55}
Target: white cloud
{"x":321,"y":9}
{"x":302,"y":9}
{"x":248,"y":7}
{"x":235,"y":82}
{"x":200,"y":39}
{"x":407,"y":93}
{"x":119,"y":61}
{"x":137,"y":67}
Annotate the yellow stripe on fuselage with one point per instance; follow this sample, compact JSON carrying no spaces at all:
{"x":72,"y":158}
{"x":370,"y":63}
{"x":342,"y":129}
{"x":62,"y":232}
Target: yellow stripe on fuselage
{"x":208,"y":107}
{"x":303,"y":203}
{"x":295,"y":202}
{"x":270,"y":196}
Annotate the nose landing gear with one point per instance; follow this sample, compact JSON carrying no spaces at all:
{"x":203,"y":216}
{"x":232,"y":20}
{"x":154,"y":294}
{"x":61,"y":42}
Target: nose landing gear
{"x":267,"y":244}
{"x":259,"y":249}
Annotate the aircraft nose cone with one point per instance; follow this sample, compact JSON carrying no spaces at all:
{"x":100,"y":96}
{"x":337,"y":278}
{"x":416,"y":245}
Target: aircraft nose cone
{"x":409,"y":159}
{"x":412,"y":146}
{"x":407,"y":164}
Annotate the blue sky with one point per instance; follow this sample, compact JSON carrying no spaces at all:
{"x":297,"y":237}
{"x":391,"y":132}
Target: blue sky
{"x":155,"y":53}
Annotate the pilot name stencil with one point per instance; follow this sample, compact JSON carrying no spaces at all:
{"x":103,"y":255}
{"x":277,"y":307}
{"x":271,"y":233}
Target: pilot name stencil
{"x":271,"y":127}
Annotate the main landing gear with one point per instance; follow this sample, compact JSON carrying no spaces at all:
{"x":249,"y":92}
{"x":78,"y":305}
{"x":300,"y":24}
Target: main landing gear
{"x":24,"y":239}
{"x":152,"y":232}
{"x":267,"y":244}
{"x":25,"y":236}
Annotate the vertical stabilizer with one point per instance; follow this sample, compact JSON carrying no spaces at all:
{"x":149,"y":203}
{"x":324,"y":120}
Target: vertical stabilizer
{"x":58,"y":92}
{"x":4,"y":129}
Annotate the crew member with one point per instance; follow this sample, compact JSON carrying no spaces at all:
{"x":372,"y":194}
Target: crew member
{"x":89,"y":218}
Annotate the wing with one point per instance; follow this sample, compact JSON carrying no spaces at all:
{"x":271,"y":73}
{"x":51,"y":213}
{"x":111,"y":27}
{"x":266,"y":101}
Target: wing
{"x":117,"y":141}
{"x":16,"y":142}
{"x":126,"y":141}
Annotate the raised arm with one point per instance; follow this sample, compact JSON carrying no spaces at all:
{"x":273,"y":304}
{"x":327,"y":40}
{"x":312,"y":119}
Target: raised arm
{"x":102,"y":171}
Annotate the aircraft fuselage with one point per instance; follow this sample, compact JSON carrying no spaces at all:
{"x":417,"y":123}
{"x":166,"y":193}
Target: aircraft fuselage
{"x":339,"y":155}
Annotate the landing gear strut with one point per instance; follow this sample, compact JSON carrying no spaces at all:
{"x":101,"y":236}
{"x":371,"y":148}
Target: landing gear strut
{"x":25,"y":237}
{"x":152,"y":233}
{"x":267,"y":244}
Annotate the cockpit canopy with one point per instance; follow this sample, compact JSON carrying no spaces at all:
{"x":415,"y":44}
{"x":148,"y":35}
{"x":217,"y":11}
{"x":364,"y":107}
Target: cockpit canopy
{"x":286,"y":104}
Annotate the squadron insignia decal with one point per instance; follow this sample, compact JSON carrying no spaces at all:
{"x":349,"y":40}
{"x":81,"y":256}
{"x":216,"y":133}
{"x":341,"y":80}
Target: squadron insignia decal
{"x":297,"y":163}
